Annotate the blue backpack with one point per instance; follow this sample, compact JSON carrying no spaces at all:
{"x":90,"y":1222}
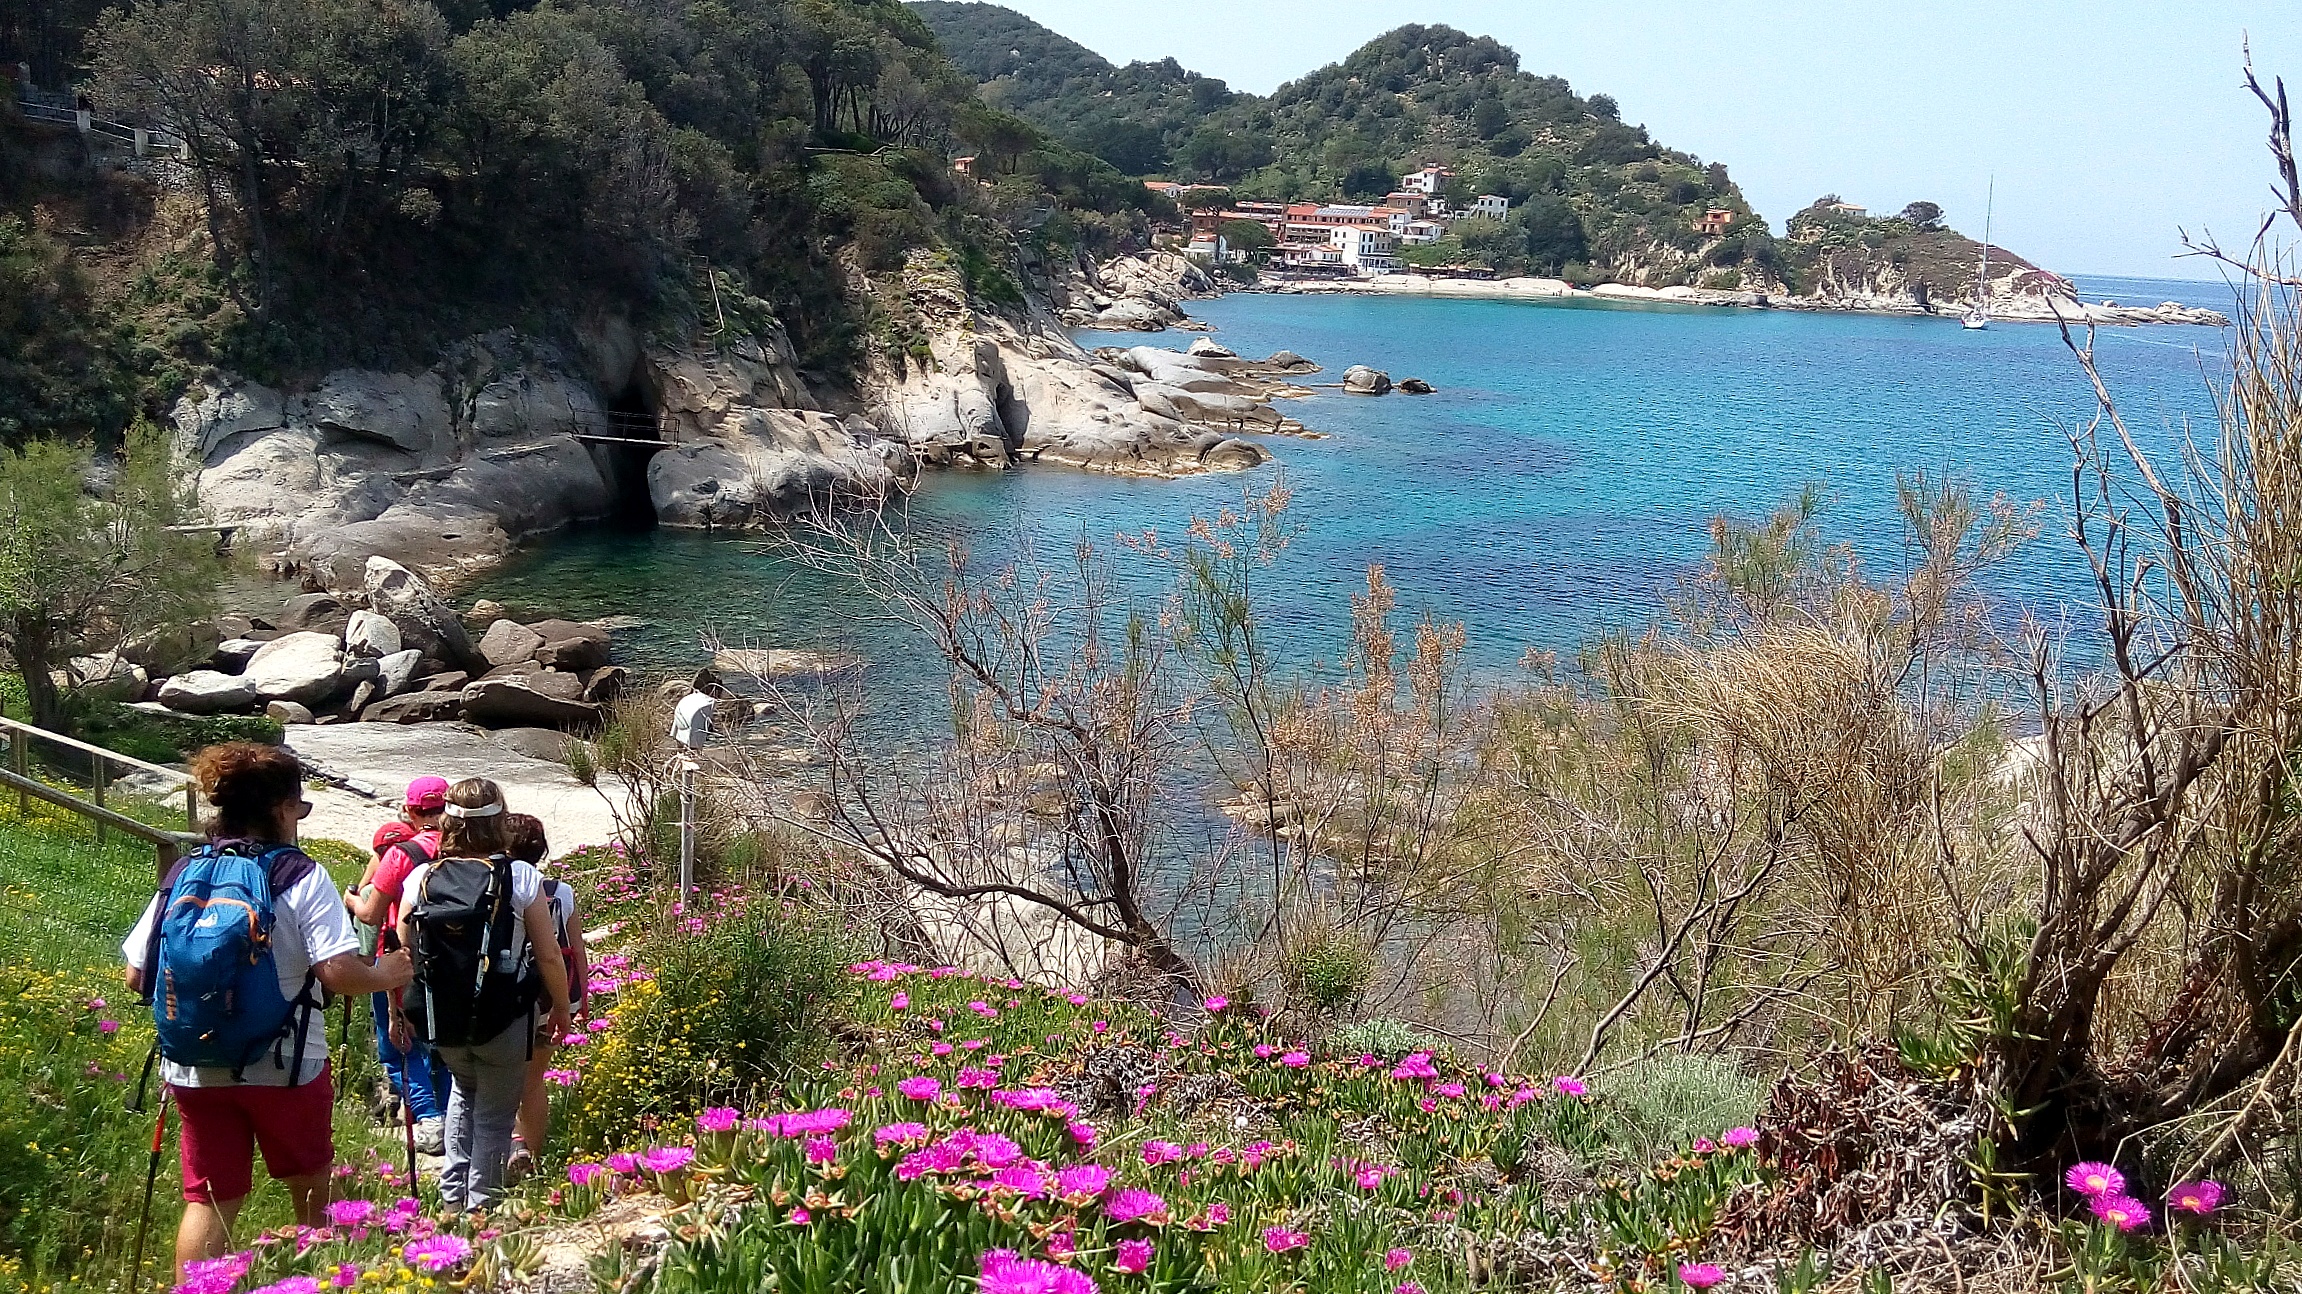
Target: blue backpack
{"x":209,"y":973}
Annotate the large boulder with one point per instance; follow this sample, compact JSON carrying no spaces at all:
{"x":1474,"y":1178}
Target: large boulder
{"x":1207,"y":346}
{"x":285,"y":713}
{"x":406,"y":411}
{"x":371,"y":635}
{"x":314,"y":612}
{"x":763,"y":466}
{"x":508,"y":642}
{"x":416,"y":707}
{"x":1361,"y":380}
{"x":207,"y":691}
{"x":207,"y":416}
{"x":571,"y":645}
{"x":1139,"y":314}
{"x":538,"y":700}
{"x":425,"y":621}
{"x":111,"y":676}
{"x":396,"y":673}
{"x":530,"y":402}
{"x":784,"y":664}
{"x":304,"y":667}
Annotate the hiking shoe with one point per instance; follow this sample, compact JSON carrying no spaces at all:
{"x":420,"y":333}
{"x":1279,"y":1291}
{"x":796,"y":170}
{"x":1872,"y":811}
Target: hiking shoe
{"x":431,"y":1136}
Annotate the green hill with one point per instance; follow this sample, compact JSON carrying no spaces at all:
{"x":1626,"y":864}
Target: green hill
{"x":1124,"y":115}
{"x":1591,"y":193}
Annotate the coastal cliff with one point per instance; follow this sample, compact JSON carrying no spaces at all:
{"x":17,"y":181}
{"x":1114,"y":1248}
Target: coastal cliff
{"x":447,"y":468}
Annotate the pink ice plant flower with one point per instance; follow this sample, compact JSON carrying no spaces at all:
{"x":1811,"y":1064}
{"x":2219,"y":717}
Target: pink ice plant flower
{"x":1006,"y":1273}
{"x":2195,"y":1198}
{"x":899,"y":1134}
{"x":1417,"y":1066}
{"x":292,"y":1285}
{"x":351,"y":1213}
{"x":822,"y":1150}
{"x":920,"y":1087}
{"x":585,"y":1174}
{"x":719,"y":1118}
{"x":1135,"y":1205}
{"x":1566,"y":1085}
{"x":1295,"y":1059}
{"x":1394,"y":1259}
{"x":1082,"y":1180}
{"x":1156,"y":1153}
{"x":1026,"y":1180}
{"x":1134,"y":1257}
{"x":667,"y":1159}
{"x":1215,"y":1004}
{"x":1084,"y":1134}
{"x":2095,"y":1179}
{"x":1700,"y":1276}
{"x":2122,"y":1211}
{"x":1739,"y":1138}
{"x":436,"y":1254}
{"x":1279,"y":1239}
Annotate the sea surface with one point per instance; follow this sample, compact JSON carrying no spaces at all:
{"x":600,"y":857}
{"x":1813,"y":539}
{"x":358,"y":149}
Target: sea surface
{"x":1557,"y":486}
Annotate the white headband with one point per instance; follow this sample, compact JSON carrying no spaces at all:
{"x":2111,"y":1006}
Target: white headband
{"x":477,"y":811}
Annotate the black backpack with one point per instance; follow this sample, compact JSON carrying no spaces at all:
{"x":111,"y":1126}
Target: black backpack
{"x":471,"y":983}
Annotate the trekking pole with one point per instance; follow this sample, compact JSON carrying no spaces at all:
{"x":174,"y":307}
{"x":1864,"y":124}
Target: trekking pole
{"x":151,"y":1183}
{"x":408,"y":1124}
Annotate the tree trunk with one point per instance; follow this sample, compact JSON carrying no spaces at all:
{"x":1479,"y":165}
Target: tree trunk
{"x":34,"y":655}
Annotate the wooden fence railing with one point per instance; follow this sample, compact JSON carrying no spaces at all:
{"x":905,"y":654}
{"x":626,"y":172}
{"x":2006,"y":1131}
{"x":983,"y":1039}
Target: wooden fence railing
{"x":167,"y":845}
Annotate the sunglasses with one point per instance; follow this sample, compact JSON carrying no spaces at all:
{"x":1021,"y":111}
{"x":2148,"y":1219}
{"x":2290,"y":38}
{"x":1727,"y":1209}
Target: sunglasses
{"x":304,"y":811}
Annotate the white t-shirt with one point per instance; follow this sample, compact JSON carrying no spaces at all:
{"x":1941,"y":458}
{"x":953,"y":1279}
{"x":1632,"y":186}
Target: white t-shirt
{"x":309,"y":926}
{"x":527,"y":883}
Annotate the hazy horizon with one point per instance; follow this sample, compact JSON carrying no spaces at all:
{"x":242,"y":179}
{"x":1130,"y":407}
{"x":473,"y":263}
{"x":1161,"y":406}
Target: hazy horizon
{"x":2108,"y":127}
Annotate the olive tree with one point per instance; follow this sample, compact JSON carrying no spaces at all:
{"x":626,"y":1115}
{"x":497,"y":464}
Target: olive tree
{"x":96,"y":552}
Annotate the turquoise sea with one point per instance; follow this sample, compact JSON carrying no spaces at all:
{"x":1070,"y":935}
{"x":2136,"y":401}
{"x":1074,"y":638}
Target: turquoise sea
{"x":1557,"y":485}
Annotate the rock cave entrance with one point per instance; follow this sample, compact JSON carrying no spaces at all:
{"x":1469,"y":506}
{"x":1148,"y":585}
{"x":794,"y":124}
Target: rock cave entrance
{"x":632,"y":415}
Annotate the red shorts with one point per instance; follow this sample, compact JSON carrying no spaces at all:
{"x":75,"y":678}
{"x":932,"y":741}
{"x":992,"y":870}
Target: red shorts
{"x":222,"y":1126}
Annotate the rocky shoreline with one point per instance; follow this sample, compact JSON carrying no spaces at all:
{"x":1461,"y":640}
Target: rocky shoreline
{"x":2018,"y":308}
{"x":1147,"y":292}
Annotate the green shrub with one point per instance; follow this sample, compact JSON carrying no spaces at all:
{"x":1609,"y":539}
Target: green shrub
{"x":1387,"y":1039}
{"x":164,"y":738}
{"x":1664,"y":1103}
{"x":1328,"y":969}
{"x":736,"y":1000}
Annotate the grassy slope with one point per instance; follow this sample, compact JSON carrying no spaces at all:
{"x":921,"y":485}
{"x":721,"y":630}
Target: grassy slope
{"x":72,"y":1155}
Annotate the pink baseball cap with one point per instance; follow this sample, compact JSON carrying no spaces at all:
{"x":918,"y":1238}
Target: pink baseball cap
{"x":427,"y":795}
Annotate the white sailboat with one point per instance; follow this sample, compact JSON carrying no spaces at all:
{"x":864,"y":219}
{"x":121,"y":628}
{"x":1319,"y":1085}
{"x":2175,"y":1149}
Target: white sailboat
{"x":1978,"y":314}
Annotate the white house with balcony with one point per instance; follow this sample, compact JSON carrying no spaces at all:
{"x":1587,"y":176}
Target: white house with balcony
{"x":1371,"y":250}
{"x":1492,"y":205}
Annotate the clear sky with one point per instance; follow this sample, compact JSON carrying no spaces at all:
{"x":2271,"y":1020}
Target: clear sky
{"x":2109,"y":125}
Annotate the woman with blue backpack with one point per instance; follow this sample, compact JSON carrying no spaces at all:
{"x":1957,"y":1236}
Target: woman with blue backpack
{"x":233,"y":954}
{"x":469,"y":917}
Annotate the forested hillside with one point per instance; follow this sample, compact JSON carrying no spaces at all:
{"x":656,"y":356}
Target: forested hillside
{"x":367,"y":182}
{"x":1592,"y":194}
{"x":1127,"y":116}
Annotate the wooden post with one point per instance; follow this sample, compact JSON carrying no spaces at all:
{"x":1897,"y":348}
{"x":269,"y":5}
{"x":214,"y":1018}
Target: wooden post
{"x":102,"y":769}
{"x":20,"y":754}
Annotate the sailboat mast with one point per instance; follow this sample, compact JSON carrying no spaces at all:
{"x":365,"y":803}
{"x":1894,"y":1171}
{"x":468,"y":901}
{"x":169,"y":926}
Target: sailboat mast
{"x":1982,"y":278}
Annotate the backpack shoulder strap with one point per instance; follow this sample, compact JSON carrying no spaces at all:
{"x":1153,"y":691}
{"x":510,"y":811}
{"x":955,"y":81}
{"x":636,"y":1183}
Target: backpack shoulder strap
{"x":160,"y":918}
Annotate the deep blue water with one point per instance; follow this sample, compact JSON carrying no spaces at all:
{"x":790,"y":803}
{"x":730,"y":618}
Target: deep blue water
{"x":1557,"y":485}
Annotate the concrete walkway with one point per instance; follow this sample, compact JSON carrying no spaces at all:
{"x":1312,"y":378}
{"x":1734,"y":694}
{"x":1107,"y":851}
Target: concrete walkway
{"x":378,"y":760}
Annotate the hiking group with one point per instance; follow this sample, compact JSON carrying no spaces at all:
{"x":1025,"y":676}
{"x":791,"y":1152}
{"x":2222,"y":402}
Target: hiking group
{"x":248,"y":938}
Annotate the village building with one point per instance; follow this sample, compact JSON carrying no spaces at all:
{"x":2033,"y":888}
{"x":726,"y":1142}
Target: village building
{"x":1492,"y":205}
{"x":1714,"y":221}
{"x":1430,"y":180}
